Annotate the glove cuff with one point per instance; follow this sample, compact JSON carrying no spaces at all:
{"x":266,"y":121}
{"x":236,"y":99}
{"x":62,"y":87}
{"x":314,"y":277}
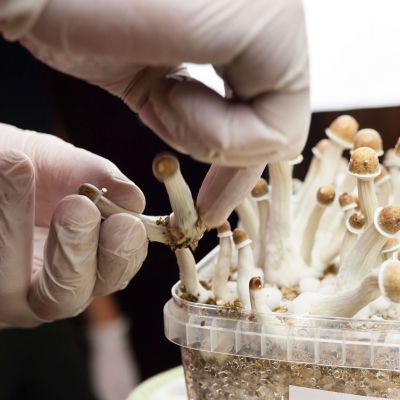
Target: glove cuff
{"x":17,"y":17}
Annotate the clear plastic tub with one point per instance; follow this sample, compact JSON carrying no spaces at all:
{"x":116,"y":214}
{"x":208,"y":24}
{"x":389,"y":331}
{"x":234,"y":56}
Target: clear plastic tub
{"x":227,"y":355}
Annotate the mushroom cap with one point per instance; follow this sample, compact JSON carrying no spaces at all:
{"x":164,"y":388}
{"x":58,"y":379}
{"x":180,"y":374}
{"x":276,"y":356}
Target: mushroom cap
{"x":89,"y":191}
{"x":368,"y":138}
{"x":321,"y":147}
{"x":256,"y":283}
{"x":357,"y":220}
{"x":364,"y":162}
{"x":389,"y":280}
{"x":165,"y":165}
{"x":397,"y":148}
{"x":344,"y":127}
{"x":389,"y":219}
{"x":345,"y":199}
{"x":260,"y":189}
{"x":240,"y":236}
{"x":326,"y":195}
{"x":225,"y":227}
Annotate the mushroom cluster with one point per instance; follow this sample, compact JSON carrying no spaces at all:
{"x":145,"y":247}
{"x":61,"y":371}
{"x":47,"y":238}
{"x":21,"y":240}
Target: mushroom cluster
{"x":328,"y":246}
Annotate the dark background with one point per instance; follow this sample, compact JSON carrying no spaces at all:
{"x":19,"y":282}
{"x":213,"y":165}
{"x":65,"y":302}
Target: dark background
{"x":34,"y":97}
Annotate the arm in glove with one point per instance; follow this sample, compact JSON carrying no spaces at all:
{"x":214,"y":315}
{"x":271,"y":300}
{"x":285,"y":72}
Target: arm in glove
{"x":55,"y":255}
{"x":130,"y":47}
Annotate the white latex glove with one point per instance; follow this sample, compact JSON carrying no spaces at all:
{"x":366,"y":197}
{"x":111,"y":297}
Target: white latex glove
{"x":112,"y":367}
{"x":46,"y":281}
{"x":129,"y":47}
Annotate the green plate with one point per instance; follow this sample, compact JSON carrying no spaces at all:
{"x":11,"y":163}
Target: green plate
{"x":171,"y":378}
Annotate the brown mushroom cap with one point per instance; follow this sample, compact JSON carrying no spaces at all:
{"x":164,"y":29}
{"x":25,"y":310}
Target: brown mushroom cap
{"x":240,"y":236}
{"x":321,"y":146}
{"x":391,"y":280}
{"x":165,"y":165}
{"x":357,"y":220}
{"x":368,"y":138}
{"x":389,"y":219}
{"x":256,"y":283}
{"x":260,"y":189}
{"x":225,"y":227}
{"x":364,"y":161}
{"x":344,"y":127}
{"x":326,"y":195}
{"x":345,"y":200}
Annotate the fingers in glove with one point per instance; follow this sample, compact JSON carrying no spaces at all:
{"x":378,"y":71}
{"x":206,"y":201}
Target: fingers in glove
{"x":213,"y":129}
{"x":222,"y":190}
{"x":17,"y":191}
{"x":65,"y":284}
{"x":122,"y":250}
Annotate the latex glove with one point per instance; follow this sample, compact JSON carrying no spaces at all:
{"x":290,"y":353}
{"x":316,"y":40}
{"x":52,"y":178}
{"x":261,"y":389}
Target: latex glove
{"x":130,"y":47}
{"x":46,"y":281}
{"x":113,"y":369}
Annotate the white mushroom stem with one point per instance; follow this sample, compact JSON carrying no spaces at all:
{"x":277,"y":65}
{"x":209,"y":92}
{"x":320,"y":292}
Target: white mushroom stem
{"x":384,"y":189}
{"x":167,"y":170}
{"x":249,"y":219}
{"x":222,"y":268}
{"x":246,"y":266}
{"x":282,"y":266}
{"x":156,"y":231}
{"x":271,"y":324}
{"x":354,"y":227}
{"x":261,"y":196}
{"x":361,"y":259}
{"x":368,"y":199}
{"x":188,"y":275}
{"x":325,"y":197}
{"x":344,"y":304}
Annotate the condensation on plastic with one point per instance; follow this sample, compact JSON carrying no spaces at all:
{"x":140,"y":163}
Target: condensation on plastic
{"x":351,"y":343}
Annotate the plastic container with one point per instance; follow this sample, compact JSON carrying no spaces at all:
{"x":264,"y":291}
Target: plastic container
{"x":230,"y":356}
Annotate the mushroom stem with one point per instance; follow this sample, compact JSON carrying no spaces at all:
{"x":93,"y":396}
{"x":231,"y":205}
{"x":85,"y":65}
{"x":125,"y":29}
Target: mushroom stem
{"x":222,"y":267}
{"x":354,"y":227}
{"x":344,"y":304}
{"x":156,"y":228}
{"x":188,"y":275}
{"x":167,"y":170}
{"x":325,"y":197}
{"x":282,"y":266}
{"x":362,"y":257}
{"x":368,"y":199}
{"x":383,"y":185}
{"x":261,"y":197}
{"x":249,"y":219}
{"x":246,"y":266}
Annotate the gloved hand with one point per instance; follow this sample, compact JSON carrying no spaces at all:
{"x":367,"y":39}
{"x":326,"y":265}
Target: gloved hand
{"x":131,"y":47}
{"x":46,"y":281}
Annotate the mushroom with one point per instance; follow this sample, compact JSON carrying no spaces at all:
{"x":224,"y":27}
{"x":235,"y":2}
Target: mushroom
{"x":325,"y":197}
{"x":354,"y":227}
{"x":222,"y":268}
{"x":261,"y":197}
{"x":249,"y":219}
{"x":362,"y":257}
{"x":392,"y":162}
{"x":364,"y":165}
{"x":188,"y":276}
{"x":369,"y":138}
{"x":184,"y":218}
{"x":246,"y":266}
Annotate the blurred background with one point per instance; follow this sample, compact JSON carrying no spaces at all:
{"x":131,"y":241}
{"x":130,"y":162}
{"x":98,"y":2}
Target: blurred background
{"x":121,"y":338}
